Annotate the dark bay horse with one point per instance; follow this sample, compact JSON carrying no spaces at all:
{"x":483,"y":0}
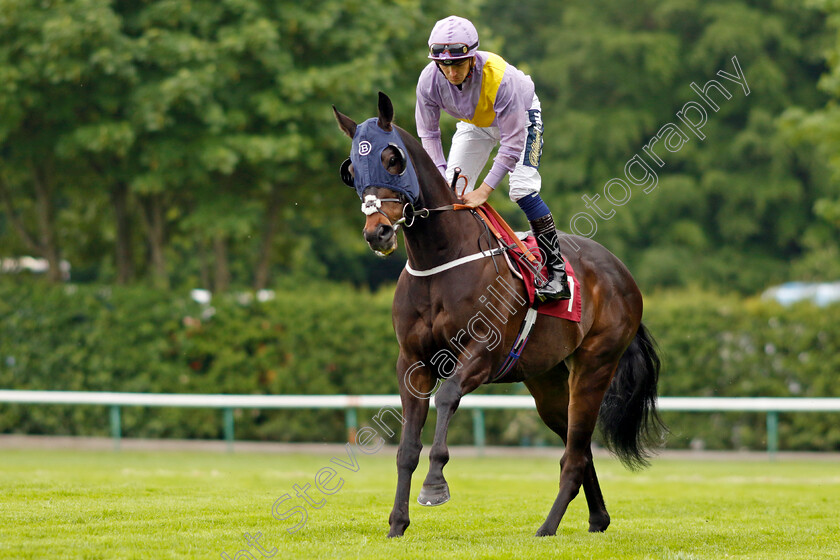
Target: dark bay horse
{"x":456,"y":320}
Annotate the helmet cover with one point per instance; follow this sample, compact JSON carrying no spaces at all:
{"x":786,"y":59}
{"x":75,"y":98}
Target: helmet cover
{"x":455,"y":32}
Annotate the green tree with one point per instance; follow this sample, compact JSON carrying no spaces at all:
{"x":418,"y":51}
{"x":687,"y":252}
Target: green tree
{"x":208,"y":123}
{"x":59,"y":66}
{"x":733,"y":208}
{"x":807,"y":129}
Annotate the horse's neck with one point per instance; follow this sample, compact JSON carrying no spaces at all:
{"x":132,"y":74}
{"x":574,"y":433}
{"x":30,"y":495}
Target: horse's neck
{"x":443,"y":236}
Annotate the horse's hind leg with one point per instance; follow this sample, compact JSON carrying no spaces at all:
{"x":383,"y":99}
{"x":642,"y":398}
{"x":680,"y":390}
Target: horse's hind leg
{"x":550,"y":392}
{"x":599,"y":519}
{"x":587,"y":386}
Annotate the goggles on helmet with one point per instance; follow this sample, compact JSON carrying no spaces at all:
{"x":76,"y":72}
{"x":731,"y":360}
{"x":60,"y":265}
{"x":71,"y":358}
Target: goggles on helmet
{"x":454,"y":49}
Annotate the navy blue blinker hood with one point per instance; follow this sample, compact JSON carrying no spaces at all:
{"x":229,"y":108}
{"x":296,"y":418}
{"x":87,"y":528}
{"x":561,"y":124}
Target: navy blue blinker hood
{"x":366,"y":155}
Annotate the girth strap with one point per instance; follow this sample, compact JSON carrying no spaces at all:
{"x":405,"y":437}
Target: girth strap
{"x":518,"y":345}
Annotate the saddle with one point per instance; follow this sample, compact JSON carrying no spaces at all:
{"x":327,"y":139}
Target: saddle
{"x":524,"y":259}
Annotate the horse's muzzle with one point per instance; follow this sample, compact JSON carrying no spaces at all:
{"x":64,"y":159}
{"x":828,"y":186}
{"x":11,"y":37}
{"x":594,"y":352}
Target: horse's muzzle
{"x":382,"y":239}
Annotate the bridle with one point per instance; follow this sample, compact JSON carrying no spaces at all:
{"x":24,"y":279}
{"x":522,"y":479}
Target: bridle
{"x":373,"y":204}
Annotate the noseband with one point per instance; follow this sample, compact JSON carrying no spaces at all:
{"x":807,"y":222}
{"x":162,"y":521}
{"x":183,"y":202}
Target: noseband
{"x":373,"y":204}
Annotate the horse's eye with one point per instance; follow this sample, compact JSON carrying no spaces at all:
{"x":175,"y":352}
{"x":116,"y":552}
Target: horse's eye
{"x":393,"y":160}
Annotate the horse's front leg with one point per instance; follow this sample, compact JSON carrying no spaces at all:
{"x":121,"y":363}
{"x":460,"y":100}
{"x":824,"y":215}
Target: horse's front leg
{"x":435,"y":490}
{"x":415,"y":409}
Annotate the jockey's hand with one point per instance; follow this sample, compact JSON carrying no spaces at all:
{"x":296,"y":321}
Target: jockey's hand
{"x":479,"y":196}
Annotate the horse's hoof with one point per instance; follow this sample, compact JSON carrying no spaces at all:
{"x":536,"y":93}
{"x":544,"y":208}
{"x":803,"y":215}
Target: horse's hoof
{"x":433,"y":495}
{"x":545,"y":532}
{"x":599,"y":525}
{"x":397,"y":529}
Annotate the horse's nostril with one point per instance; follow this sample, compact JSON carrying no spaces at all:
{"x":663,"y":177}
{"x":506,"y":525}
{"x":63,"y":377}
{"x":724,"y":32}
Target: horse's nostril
{"x":385,"y":232}
{"x":382,"y":234}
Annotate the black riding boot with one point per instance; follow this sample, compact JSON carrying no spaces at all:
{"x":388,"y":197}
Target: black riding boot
{"x":557,"y":286}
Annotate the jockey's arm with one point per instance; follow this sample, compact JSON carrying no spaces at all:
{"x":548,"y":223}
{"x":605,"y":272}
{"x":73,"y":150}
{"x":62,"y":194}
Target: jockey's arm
{"x":479,"y":196}
{"x":427,"y":118}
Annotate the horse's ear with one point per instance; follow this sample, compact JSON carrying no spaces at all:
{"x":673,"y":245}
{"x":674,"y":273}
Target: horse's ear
{"x":345,"y":123}
{"x":386,"y":112}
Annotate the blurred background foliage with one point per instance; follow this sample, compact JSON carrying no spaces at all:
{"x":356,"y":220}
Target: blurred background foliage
{"x":335,"y":339}
{"x":164,"y":145}
{"x":192,"y":143}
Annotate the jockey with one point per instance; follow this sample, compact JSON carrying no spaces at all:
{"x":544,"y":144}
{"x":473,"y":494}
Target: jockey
{"x":495,"y":104}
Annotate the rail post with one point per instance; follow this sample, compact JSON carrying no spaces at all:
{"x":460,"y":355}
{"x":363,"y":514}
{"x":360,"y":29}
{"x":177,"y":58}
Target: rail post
{"x":772,"y":433}
{"x":229,"y":429}
{"x":478,"y":429}
{"x":352,"y":423}
{"x":116,"y":426}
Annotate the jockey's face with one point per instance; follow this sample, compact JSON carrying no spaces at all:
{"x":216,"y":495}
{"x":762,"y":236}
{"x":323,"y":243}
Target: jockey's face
{"x":457,"y":72}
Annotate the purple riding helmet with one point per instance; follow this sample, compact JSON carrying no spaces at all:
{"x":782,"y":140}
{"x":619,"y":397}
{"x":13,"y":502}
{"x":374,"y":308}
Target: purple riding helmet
{"x":452,"y":39}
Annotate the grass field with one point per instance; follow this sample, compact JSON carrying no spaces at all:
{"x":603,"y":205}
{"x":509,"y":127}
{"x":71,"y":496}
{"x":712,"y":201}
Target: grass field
{"x":158,"y":505}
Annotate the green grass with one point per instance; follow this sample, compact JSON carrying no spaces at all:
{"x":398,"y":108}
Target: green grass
{"x":88,"y":504}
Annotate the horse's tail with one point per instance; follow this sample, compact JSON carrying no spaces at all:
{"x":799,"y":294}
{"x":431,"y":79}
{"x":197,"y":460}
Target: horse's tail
{"x":628,"y":418}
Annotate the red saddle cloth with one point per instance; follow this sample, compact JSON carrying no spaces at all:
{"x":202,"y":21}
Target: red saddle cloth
{"x":565,"y":309}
